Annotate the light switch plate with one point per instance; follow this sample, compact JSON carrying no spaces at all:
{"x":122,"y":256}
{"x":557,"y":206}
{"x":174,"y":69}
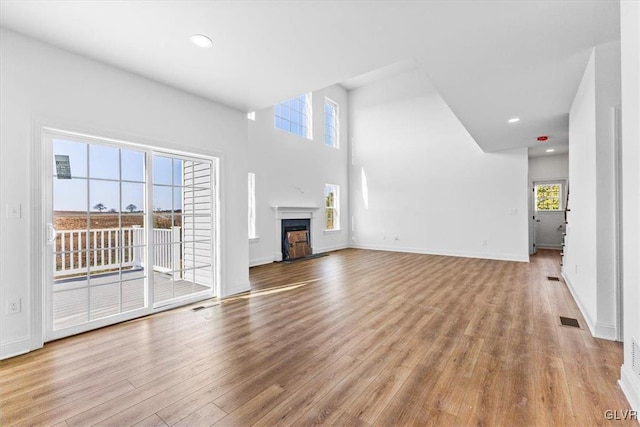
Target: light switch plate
{"x":14,"y":211}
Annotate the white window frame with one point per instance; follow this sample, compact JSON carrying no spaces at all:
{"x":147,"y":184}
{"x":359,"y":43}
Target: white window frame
{"x":335,"y":143}
{"x":283,"y":114}
{"x":42,"y":174}
{"x":560,"y":196}
{"x":328,"y":188}
{"x":251,"y":181}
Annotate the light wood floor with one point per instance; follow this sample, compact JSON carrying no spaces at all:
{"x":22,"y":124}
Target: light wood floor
{"x":356,"y":338}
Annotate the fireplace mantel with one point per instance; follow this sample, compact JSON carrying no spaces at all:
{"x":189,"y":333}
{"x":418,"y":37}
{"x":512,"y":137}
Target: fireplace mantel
{"x":290,"y":212}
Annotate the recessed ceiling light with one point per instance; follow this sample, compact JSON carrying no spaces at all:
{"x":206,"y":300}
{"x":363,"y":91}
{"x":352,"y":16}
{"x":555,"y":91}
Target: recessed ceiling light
{"x":514,"y":120}
{"x":201,"y":40}
{"x":550,"y":150}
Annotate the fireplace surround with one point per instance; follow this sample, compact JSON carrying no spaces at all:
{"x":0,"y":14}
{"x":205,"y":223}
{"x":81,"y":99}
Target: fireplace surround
{"x":296,"y":214}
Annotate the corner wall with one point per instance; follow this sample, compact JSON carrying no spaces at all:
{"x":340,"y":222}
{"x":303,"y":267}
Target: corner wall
{"x":47,"y":85}
{"x":591,"y":249}
{"x":420,"y":183}
{"x":630,"y":39}
{"x":291,"y":170}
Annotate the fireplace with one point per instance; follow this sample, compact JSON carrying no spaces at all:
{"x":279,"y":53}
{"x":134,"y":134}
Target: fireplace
{"x":299,"y":220}
{"x":296,"y":238}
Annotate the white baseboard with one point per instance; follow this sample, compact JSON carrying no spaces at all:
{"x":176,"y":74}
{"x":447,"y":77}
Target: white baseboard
{"x":15,"y":347}
{"x":630,"y":385}
{"x":236,"y":290}
{"x":587,"y":317}
{"x":551,"y":246}
{"x":260,"y":261}
{"x":461,"y":254}
{"x":606,"y":331}
{"x":330,"y":248}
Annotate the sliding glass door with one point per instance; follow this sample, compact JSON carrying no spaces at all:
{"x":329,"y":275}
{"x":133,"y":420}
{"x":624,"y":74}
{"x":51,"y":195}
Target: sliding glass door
{"x":130,"y":230}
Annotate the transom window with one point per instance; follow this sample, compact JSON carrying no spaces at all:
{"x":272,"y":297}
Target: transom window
{"x":294,"y":115}
{"x":332,"y":207}
{"x":548,"y":197}
{"x":330,"y":123}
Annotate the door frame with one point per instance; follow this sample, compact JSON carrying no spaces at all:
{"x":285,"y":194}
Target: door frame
{"x":532,"y":205}
{"x":618,"y":239}
{"x":40,"y":163}
{"x":533,"y":247}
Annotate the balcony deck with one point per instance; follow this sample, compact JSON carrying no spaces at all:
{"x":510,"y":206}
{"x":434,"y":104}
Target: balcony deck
{"x":72,"y":295}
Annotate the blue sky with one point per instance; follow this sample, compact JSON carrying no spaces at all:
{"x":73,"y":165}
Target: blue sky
{"x":95,"y":172}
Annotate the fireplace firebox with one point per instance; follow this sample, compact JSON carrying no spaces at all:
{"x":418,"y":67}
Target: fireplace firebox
{"x":296,"y":238}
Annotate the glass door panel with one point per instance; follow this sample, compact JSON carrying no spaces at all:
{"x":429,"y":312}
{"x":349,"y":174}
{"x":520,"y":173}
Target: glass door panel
{"x":183,"y":212}
{"x":98,"y":201}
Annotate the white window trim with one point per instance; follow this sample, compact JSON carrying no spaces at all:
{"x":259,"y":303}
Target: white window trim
{"x":308,"y":111}
{"x":336,"y":106}
{"x":336,"y":208}
{"x":561,"y":207}
{"x":251,"y":208}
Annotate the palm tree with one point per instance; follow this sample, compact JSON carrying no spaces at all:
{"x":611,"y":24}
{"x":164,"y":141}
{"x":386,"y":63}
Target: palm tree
{"x":100,"y":207}
{"x":131,"y":207}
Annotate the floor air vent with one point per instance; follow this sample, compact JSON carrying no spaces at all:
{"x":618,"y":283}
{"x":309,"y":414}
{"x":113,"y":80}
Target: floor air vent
{"x":553,"y":278}
{"x":202,"y":307}
{"x":635,"y":356}
{"x":569,"y":321}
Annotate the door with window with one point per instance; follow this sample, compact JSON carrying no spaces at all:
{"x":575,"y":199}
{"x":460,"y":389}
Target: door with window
{"x":548,"y":214}
{"x":130,"y":231}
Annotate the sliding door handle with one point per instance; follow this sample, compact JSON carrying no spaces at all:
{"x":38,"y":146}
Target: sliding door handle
{"x":52,"y":234}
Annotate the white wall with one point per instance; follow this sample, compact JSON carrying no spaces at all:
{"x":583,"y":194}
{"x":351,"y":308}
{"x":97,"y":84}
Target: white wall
{"x":590,"y":251}
{"x":549,"y":167}
{"x":292,"y":171}
{"x":579,"y":266}
{"x":630,"y":39}
{"x":42,"y":84}
{"x":420,"y":183}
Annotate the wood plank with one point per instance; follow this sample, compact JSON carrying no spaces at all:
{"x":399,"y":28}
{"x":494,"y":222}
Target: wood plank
{"x":151,"y":421}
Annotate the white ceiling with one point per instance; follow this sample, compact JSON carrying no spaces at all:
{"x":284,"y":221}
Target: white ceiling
{"x":490,"y":60}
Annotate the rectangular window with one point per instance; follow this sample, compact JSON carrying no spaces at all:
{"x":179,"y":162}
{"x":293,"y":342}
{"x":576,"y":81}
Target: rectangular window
{"x":294,"y":115}
{"x":330,"y":123}
{"x":332,"y":207}
{"x":548,"y":197}
{"x":252,"y":205}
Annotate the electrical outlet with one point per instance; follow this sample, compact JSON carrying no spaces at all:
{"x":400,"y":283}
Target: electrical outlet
{"x":14,"y":306}
{"x":396,"y":237}
{"x":484,"y":243}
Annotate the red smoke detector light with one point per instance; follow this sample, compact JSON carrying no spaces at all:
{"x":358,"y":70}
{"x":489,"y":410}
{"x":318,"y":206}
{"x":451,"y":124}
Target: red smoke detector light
{"x":542,"y":138}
